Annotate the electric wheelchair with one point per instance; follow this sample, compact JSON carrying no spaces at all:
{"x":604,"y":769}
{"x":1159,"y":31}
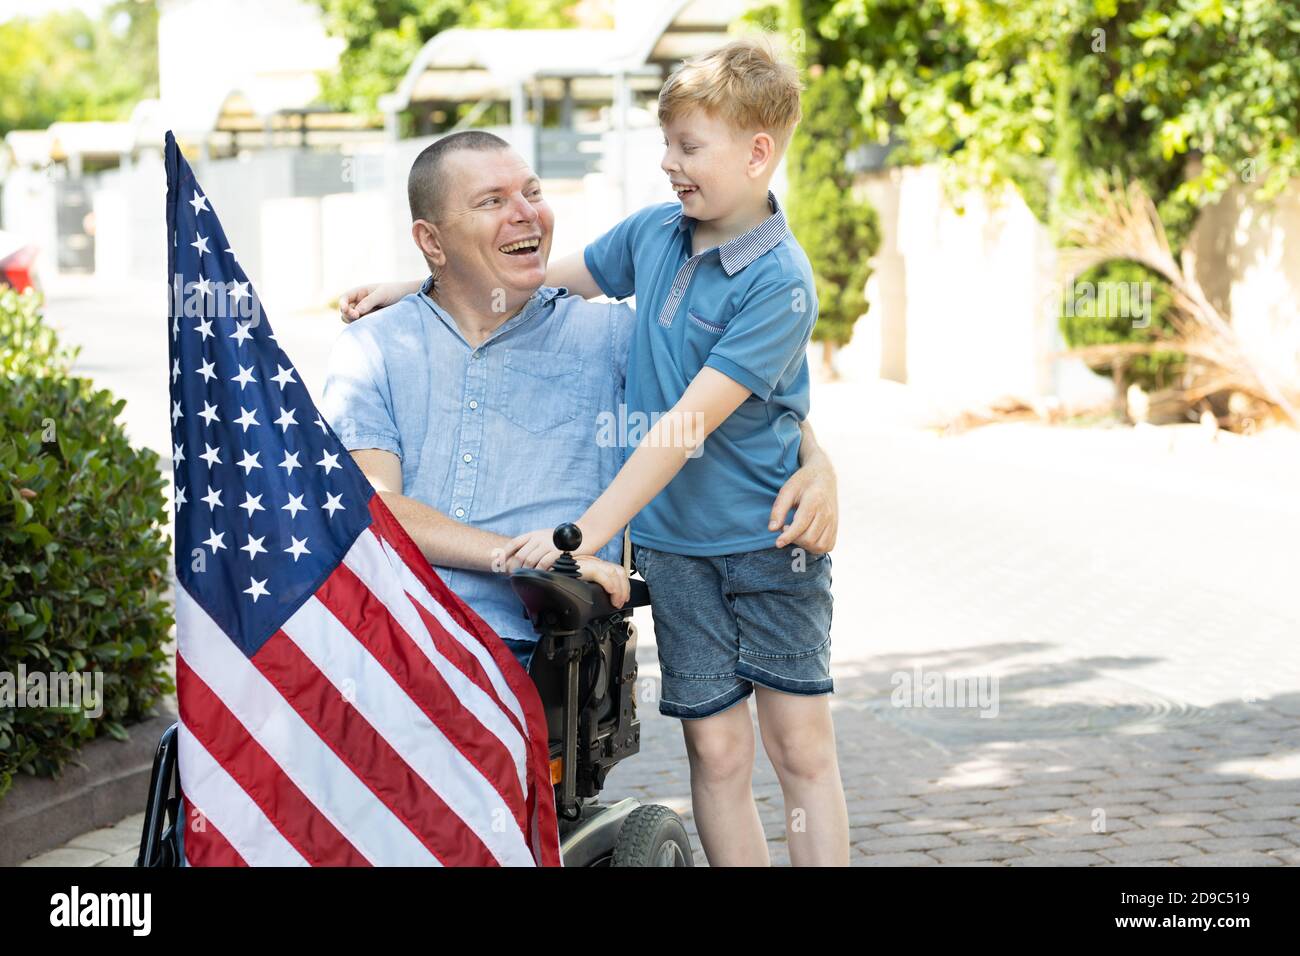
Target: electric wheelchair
{"x":585,"y":670}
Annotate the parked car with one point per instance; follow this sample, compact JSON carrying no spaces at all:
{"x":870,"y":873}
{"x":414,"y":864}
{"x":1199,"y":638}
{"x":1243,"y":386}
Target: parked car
{"x":17,"y":262}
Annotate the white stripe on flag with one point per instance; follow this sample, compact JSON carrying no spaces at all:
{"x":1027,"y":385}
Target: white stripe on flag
{"x":408,"y":730}
{"x":415,"y":587}
{"x":364,"y":820}
{"x":369,"y":562}
{"x":220,"y":798}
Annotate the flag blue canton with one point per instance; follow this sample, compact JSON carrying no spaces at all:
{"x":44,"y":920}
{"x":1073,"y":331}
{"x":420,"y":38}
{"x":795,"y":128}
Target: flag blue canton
{"x":267,"y":499}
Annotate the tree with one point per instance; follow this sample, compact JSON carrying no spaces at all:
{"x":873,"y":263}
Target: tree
{"x":1051,"y":96}
{"x":384,"y":38}
{"x":66,"y":66}
{"x":838,"y":230}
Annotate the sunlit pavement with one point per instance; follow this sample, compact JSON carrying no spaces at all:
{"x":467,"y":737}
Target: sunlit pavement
{"x":1124,"y":598}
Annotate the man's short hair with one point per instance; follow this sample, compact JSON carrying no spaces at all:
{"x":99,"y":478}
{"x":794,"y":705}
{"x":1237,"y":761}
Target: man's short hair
{"x":744,"y":83}
{"x":425,"y":182}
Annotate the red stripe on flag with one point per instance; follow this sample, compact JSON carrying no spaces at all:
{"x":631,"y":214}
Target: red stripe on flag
{"x":389,"y":529}
{"x":370,"y":622}
{"x":258,"y":775}
{"x":365,"y":751}
{"x":205,"y":845}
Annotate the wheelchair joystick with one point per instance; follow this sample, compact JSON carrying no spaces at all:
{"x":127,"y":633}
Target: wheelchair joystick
{"x":568,"y":538}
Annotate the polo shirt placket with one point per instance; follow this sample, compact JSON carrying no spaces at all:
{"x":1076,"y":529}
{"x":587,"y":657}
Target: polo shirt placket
{"x":734,"y":254}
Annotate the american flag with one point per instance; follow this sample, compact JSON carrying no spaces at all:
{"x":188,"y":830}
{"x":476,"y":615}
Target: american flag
{"x":339,"y":705}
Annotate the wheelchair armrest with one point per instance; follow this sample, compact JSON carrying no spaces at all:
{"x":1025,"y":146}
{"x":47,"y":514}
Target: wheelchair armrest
{"x":563,"y":603}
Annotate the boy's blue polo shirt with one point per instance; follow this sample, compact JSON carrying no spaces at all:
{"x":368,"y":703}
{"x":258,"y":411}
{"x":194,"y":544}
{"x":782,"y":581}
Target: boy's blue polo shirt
{"x":745,"y":308}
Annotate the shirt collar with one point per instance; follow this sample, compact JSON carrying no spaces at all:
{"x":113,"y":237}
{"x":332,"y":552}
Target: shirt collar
{"x":744,"y":249}
{"x":540,"y":298}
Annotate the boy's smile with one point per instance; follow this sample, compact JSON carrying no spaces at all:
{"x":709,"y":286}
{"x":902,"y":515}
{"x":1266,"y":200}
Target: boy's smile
{"x":718,"y":173}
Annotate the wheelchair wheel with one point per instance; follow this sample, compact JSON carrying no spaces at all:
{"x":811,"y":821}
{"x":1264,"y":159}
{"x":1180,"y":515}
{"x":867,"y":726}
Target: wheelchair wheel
{"x":653,"y":836}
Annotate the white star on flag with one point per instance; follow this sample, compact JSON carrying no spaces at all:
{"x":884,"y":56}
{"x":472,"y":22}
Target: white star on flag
{"x":248,"y":462}
{"x":257,"y":588}
{"x":254,"y":546}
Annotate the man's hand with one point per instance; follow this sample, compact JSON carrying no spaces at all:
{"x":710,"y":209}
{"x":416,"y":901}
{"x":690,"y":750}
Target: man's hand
{"x":611,"y":577}
{"x":812,"y":492}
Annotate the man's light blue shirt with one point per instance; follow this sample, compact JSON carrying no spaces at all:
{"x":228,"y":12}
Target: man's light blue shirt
{"x":502,"y":436}
{"x":745,"y":308}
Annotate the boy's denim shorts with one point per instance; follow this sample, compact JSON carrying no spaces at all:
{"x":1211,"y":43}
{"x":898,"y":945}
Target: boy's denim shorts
{"x":724,"y":624}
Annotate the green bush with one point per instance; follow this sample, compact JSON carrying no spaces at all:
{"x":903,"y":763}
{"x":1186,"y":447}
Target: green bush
{"x":1099,"y":318}
{"x":83,"y":550}
{"x":839,"y":231}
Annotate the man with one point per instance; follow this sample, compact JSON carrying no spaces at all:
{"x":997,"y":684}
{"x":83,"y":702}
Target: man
{"x":474,"y":406}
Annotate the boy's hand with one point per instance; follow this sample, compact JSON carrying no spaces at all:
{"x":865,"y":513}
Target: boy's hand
{"x":535,"y":549}
{"x":364,"y":299}
{"x":811,"y":491}
{"x":611,"y":577}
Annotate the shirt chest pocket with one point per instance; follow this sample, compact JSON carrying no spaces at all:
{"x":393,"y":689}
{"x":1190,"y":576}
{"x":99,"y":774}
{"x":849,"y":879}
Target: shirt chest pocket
{"x":712,"y":321}
{"x":539,"y":391}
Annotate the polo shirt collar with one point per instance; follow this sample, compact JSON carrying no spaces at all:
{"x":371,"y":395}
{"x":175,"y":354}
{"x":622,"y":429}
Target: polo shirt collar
{"x":744,"y":249}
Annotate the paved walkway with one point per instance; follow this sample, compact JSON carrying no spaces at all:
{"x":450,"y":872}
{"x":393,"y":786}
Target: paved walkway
{"x":1132,"y":595}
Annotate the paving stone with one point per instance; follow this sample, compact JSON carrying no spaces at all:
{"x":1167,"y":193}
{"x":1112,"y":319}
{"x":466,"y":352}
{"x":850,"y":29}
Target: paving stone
{"x":110,"y":840}
{"x":1252,"y":828}
{"x":1058,"y":859}
{"x":996,"y":834}
{"x":1207,"y":791}
{"x":1237,"y":844}
{"x":1070,"y":844}
{"x":1228,"y":859}
{"x":1140,"y":835}
{"x":983,"y":852}
{"x":893,"y":859}
{"x":68,"y":856}
{"x":901,"y":844}
{"x":1190,"y":806}
{"x":1178,"y":819}
{"x":933,"y":825}
{"x":1279,"y":812}
{"x":1147,"y":851}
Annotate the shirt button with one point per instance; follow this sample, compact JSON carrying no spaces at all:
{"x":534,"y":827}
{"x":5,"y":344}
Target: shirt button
{"x":467,"y":457}
{"x":460,"y":512}
{"x":473,"y":404}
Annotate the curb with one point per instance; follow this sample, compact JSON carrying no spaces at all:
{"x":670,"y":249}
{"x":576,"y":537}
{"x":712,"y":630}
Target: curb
{"x":110,"y":784}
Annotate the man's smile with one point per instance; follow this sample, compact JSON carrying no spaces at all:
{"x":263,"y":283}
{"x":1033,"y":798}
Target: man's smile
{"x":522,"y":247}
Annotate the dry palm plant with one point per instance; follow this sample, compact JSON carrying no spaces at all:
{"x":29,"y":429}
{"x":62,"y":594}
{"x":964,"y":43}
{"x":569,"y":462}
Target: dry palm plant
{"x":1123,"y":224}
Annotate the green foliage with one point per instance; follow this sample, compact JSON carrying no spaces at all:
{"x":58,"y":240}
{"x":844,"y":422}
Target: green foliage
{"x":839,"y":232}
{"x":1098,"y":318}
{"x":83,"y":554}
{"x":1187,"y":98}
{"x":383,"y":38}
{"x":1047,"y":96}
{"x":66,"y":66}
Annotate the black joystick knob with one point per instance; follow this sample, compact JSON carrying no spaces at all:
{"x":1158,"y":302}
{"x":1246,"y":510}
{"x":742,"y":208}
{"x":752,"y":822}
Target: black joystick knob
{"x":567,"y":537}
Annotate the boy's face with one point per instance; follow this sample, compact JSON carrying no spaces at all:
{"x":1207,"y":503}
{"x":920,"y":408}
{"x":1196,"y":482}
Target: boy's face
{"x":710,"y":164}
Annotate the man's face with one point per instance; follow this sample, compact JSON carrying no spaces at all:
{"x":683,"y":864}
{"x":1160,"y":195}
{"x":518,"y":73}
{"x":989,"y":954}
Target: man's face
{"x":495,"y":227}
{"x":707,"y":162}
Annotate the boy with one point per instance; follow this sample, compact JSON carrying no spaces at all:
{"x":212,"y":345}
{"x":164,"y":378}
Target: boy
{"x":725,"y":308}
